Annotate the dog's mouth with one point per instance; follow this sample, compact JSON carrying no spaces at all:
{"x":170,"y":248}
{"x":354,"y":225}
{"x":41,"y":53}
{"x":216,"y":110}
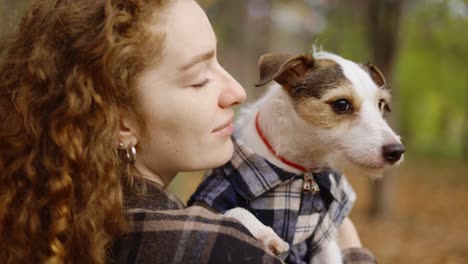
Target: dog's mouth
{"x":371,"y":166}
{"x":367,"y":165}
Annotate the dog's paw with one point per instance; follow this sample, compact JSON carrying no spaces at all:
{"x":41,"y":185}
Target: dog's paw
{"x":270,"y":240}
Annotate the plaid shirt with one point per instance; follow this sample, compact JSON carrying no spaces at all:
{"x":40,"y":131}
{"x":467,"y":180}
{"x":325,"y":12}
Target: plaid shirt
{"x":161,"y":231}
{"x":305,"y":220}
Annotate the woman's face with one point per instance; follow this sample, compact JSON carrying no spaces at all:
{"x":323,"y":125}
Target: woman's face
{"x":187,"y":98}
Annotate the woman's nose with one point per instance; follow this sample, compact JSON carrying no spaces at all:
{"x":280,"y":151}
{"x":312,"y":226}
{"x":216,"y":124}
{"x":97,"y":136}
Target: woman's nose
{"x":232,"y":92}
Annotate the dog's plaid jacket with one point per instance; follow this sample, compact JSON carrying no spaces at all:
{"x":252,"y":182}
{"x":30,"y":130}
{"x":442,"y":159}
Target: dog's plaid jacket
{"x":162,"y":231}
{"x":305,"y":220}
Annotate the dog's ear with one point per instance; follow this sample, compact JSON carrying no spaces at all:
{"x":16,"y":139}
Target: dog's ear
{"x":285,"y":69}
{"x":375,"y":74}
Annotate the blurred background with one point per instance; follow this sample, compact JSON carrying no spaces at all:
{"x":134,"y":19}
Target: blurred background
{"x":418,"y":213}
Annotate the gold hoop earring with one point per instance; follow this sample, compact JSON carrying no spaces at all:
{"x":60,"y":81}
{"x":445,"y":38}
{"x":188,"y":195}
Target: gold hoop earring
{"x":130,"y":153}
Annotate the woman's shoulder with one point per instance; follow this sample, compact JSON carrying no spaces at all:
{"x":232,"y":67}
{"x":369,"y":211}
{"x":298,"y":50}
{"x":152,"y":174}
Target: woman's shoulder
{"x":195,"y":218}
{"x":191,"y":235}
{"x":150,"y":196}
{"x":161,"y":230}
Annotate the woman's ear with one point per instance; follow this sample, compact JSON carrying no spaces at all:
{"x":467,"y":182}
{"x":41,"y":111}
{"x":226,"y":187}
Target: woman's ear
{"x":128,"y":131}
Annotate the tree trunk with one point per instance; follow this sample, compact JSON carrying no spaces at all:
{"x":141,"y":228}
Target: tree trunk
{"x":465,"y":126}
{"x":384,"y":18}
{"x":465,"y":132}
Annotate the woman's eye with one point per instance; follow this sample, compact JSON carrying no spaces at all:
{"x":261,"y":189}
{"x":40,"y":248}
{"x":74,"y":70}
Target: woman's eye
{"x":341,"y":106}
{"x":199,"y":85}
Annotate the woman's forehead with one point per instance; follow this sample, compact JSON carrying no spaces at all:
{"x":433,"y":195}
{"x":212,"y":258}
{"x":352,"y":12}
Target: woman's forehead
{"x":188,"y":33}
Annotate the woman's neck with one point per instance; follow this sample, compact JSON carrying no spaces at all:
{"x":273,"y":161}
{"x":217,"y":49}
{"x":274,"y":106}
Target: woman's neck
{"x":162,"y":179}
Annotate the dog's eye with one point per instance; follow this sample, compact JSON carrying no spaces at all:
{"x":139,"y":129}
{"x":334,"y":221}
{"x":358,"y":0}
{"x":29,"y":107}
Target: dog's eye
{"x":381,"y":104}
{"x":384,"y":106}
{"x":341,"y":106}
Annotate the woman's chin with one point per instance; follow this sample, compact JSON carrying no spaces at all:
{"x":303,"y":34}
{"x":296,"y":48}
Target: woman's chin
{"x":223,"y":154}
{"x":216,"y":156}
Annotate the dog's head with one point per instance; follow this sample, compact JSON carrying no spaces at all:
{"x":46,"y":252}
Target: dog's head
{"x":343,"y":102}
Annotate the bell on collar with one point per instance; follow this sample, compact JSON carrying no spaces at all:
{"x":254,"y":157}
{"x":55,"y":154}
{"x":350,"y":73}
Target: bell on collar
{"x":310,"y":185}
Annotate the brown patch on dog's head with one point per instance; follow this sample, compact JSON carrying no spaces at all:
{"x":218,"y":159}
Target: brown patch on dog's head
{"x":302,"y":76}
{"x":320,"y":113}
{"x":323,"y":76}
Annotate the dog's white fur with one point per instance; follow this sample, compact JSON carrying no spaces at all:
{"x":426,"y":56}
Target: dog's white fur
{"x":356,"y":147}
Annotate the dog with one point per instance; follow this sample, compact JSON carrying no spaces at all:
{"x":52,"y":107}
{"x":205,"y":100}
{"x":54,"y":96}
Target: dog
{"x":323,"y":114}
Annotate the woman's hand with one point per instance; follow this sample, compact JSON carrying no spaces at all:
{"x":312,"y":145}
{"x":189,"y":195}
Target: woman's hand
{"x":352,"y":251}
{"x":347,"y":235}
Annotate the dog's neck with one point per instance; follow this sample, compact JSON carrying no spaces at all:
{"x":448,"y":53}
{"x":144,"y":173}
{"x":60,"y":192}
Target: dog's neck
{"x":288,"y":134}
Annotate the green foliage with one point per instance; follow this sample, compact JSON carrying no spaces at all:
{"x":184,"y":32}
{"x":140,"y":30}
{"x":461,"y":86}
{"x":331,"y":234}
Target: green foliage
{"x":433,"y":79}
{"x":345,"y":34}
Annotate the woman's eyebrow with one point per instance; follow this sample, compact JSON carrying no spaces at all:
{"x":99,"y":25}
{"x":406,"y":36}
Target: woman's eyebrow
{"x":197,"y":59}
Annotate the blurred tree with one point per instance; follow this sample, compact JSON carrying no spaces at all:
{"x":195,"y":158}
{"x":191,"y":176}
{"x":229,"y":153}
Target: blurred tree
{"x":228,"y":18}
{"x":465,"y":128}
{"x":256,"y":40}
{"x":243,"y":31}
{"x":384,"y":17}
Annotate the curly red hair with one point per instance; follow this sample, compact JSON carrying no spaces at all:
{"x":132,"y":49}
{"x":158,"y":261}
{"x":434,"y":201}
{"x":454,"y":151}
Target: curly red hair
{"x":64,"y":78}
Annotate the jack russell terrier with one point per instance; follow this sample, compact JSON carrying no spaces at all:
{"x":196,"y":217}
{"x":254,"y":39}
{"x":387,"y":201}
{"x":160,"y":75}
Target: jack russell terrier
{"x":324,"y":114}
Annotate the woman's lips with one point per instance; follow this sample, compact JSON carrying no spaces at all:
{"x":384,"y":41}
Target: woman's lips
{"x":225,"y":129}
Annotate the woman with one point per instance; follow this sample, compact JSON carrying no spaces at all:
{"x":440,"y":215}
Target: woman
{"x":81,"y":79}
{"x":102,"y":102}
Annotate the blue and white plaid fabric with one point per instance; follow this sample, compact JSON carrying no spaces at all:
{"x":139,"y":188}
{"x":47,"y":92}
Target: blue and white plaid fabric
{"x":305,"y":220}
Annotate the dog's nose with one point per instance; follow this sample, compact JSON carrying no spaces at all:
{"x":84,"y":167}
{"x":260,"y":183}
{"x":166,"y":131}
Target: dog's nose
{"x":392,"y":153}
